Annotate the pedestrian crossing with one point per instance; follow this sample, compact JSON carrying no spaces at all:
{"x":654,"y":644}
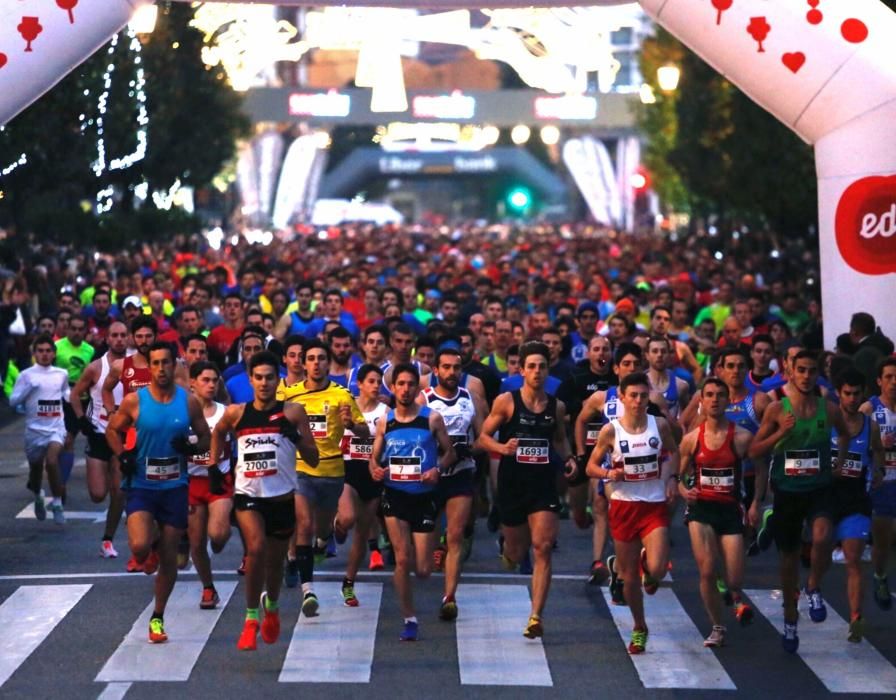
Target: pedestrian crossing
{"x":340,"y":646}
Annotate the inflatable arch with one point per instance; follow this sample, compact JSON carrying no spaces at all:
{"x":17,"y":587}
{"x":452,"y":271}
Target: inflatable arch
{"x":826,"y":69}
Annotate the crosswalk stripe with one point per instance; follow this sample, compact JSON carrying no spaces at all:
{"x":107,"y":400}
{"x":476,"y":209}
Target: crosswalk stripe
{"x":337,"y":646}
{"x":491,"y":649}
{"x":675,"y":656}
{"x":188,"y":629}
{"x":842,"y":667}
{"x":114,"y":691}
{"x":28,"y":616}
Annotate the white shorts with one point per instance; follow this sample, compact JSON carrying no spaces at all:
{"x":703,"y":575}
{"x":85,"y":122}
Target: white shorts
{"x":36,"y":444}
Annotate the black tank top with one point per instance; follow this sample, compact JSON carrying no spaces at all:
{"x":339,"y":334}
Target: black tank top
{"x":534,"y":430}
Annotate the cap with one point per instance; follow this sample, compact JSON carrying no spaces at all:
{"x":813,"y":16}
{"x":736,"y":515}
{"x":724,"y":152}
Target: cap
{"x":587,"y":306}
{"x":682,"y":278}
{"x":132,"y":301}
{"x":625,"y":306}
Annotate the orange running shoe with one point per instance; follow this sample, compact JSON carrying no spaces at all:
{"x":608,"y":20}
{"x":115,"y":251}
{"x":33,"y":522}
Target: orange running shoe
{"x":270,"y":623}
{"x":133,"y":566}
{"x":248,"y":639}
{"x":376,"y":561}
{"x":157,"y":631}
{"x":151,"y":565}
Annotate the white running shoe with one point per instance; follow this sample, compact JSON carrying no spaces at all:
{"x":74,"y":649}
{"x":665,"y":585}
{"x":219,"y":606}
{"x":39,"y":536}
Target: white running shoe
{"x":107,"y":550}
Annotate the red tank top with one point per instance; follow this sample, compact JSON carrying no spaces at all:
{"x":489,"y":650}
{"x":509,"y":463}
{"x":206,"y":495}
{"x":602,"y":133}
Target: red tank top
{"x":133,"y":378}
{"x":717,"y":472}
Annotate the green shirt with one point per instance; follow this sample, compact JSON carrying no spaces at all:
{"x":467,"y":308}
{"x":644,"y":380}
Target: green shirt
{"x":73,"y":359}
{"x":802,"y":458}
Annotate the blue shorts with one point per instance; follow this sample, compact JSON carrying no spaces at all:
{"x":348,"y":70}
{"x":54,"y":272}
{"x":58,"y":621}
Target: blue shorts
{"x":883,"y":500}
{"x":853,"y":527}
{"x":167,"y":506}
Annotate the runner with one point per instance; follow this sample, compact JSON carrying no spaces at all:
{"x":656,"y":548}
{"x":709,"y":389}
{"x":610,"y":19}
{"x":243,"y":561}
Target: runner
{"x":762,"y":352}
{"x":863,"y":467}
{"x":797,"y":430}
{"x":73,"y":354}
{"x":268,"y":433}
{"x":533,"y":446}
{"x":710,"y":479}
{"x":883,"y":500}
{"x":643,"y":485}
{"x":405,"y":456}
{"x":674,"y":390}
{"x":360,"y":498}
{"x":454,"y":493}
{"x":42,"y":388}
{"x":211,"y":487}
{"x":154,"y":471}
{"x":103,"y":476}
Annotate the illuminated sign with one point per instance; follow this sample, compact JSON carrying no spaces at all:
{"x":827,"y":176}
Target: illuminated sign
{"x":475,"y":164}
{"x":453,"y":106}
{"x":393,"y":164}
{"x":566,"y":107}
{"x":320,"y":104}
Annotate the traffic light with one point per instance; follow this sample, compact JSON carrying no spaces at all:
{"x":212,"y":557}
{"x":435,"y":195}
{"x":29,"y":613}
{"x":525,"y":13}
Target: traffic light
{"x":518,"y":199}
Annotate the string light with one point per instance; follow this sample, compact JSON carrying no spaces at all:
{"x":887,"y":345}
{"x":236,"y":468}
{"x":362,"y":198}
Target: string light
{"x":22,"y":160}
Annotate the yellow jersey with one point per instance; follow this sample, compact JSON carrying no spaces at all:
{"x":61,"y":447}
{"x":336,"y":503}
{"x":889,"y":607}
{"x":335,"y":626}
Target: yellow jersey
{"x":322,"y":407}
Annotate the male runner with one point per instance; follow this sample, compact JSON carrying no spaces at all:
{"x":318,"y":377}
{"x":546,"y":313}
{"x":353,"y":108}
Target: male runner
{"x":797,"y":430}
{"x":762,"y":352}
{"x":268,"y":433}
{"x":674,"y":389}
{"x":405,"y":457}
{"x":643,"y":485}
{"x":42,"y":388}
{"x":863,"y":467}
{"x":73,"y":354}
{"x":103,"y":476}
{"x":532,"y":430}
{"x":154,"y":471}
{"x":882,"y":409}
{"x":710,"y":479}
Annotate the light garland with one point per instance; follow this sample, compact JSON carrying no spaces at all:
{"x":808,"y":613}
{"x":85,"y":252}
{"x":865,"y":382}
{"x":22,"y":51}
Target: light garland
{"x":22,"y":160}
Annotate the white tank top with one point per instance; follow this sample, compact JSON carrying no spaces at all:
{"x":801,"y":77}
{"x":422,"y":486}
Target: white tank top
{"x":197,"y":465}
{"x":266,"y":461}
{"x":357,"y":448}
{"x":458,"y":413}
{"x":639,"y":455}
{"x":97,"y":413}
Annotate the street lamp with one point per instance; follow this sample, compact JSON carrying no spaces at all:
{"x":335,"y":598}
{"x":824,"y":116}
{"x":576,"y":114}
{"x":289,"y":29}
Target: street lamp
{"x":668,"y":76}
{"x":143,"y":21}
{"x":520,"y":134}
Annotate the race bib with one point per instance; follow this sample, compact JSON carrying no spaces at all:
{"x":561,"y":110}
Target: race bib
{"x":257,"y":465}
{"x":717,"y":480}
{"x":318,"y":423}
{"x":641,"y":468}
{"x":49,"y":409}
{"x":360,"y":448}
{"x":802,"y":463}
{"x":591,"y":432}
{"x":852,"y":467}
{"x":162,"y":468}
{"x":890,"y":465}
{"x":201,"y":460}
{"x":532,"y":451}
{"x":405,"y":468}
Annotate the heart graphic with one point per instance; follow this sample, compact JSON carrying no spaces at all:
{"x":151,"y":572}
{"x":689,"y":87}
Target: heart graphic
{"x":865,"y":225}
{"x":2,"y":60}
{"x":794,"y":61}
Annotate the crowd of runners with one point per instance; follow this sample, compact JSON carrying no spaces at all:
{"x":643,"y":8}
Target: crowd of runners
{"x":391,"y":386}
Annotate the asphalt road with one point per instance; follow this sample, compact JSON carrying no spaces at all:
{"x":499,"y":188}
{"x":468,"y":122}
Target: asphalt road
{"x":66,"y":614}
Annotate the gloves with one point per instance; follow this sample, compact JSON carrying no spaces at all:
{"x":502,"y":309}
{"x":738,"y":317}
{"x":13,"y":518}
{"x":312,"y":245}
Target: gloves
{"x":86,"y":426}
{"x":216,"y":481}
{"x":127,"y":463}
{"x":289,"y":430}
{"x":182,"y":445}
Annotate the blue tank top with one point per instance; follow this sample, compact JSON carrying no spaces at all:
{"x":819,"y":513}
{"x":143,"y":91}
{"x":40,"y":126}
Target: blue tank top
{"x":410,"y":449}
{"x":743,"y":413}
{"x":671,"y":392}
{"x":851,"y":490}
{"x":159,"y":466}
{"x":299,"y":326}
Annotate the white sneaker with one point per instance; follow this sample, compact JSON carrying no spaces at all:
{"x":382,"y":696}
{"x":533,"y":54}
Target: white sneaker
{"x":107,"y":550}
{"x":837,"y":556}
{"x":58,"y":514}
{"x":716,"y":638}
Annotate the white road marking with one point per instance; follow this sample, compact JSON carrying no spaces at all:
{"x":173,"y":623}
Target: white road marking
{"x":114,"y":691}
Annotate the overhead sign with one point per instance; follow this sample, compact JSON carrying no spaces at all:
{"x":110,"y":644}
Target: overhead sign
{"x":320,"y":104}
{"x":574,"y":107}
{"x":453,"y":106}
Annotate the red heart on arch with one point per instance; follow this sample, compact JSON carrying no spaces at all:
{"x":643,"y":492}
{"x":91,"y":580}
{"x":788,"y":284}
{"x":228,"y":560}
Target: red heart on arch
{"x":794,"y":61}
{"x":2,"y":60}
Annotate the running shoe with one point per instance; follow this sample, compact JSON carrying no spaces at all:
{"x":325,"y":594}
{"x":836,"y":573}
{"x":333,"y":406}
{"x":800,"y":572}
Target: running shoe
{"x":408,"y":632}
{"x":448,"y":609}
{"x":183,"y":553}
{"x":744,"y":613}
{"x":856,"y":630}
{"x":649,"y":583}
{"x":339,"y":533}
{"x":766,"y":536}
{"x":210,"y":599}
{"x":58,"y":514}
{"x":716,"y":638}
{"x":241,"y":569}
{"x":349,"y":599}
{"x":107,"y":550}
{"x":616,"y":592}
{"x":320,"y":552}
{"x":291,"y":573}
{"x":837,"y":556}
{"x":818,"y":611}
{"x":882,"y":593}
{"x":157,"y":631}
{"x":310,"y":604}
{"x":723,"y":590}
{"x":526,"y":564}
{"x":330,"y":550}
{"x":270,"y":623}
{"x":151,"y":565}
{"x":638,"y":643}
{"x":248,"y":640}
{"x":376,"y":561}
{"x":598,"y":574}
{"x":133,"y":566}
{"x":438,"y":558}
{"x":534,"y":628}
{"x":40,"y":506}
{"x":508,"y":564}
{"x":790,"y":640}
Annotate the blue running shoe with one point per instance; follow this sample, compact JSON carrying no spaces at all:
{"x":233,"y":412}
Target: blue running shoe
{"x":408,"y":632}
{"x":330,"y":549}
{"x":818,"y":611}
{"x":790,"y":640}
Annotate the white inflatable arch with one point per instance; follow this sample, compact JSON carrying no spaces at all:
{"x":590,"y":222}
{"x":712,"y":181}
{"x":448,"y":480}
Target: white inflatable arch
{"x":826,"y":69}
